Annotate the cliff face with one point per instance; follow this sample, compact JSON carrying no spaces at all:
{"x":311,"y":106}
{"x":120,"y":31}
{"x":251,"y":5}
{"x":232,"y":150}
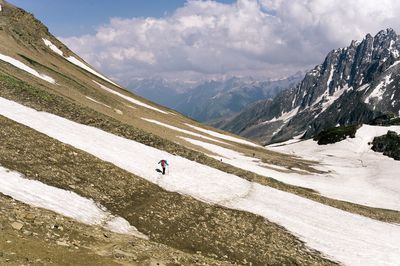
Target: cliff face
{"x":353,"y":85}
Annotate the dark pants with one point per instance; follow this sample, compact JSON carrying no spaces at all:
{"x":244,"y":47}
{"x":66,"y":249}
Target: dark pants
{"x":163,"y":170}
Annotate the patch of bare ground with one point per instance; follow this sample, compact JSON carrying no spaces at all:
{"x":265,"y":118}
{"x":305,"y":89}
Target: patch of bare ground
{"x":34,"y":236}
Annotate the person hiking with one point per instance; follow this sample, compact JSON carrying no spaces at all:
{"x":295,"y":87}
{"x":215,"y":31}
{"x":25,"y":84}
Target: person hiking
{"x":164,"y":164}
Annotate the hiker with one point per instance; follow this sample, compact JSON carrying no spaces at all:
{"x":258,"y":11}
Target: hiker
{"x":163,"y":165}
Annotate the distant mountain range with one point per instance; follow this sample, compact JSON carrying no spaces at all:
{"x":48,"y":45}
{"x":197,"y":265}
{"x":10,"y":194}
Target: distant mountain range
{"x":211,"y":101}
{"x":353,"y":85}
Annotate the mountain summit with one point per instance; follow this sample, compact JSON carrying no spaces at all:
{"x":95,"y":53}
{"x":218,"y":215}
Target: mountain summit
{"x":353,"y":85}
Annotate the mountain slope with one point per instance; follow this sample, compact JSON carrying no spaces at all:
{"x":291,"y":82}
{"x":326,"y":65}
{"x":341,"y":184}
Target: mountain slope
{"x":352,"y":86}
{"x":88,"y":137}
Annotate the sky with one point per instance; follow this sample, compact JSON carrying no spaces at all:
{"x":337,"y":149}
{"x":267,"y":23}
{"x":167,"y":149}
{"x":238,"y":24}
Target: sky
{"x":76,"y":17}
{"x":201,"y":39}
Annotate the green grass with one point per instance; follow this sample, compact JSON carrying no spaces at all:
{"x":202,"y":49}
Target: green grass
{"x":41,"y":66}
{"x":24,"y":88}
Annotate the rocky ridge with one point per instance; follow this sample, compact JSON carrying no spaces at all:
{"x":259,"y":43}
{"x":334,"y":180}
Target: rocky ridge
{"x":353,"y":85}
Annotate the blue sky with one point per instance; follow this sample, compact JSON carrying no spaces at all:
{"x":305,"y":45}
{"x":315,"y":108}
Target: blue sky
{"x":78,"y":17}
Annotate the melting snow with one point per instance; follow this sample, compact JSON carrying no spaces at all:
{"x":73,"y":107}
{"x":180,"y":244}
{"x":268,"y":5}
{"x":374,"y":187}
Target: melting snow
{"x":130,"y":99}
{"x":348,"y":238}
{"x":26,"y":68}
{"x":76,"y":62}
{"x":182,"y":130}
{"x":61,"y":201}
{"x":223,"y":136}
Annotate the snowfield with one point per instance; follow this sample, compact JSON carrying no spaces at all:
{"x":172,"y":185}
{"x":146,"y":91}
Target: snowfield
{"x":81,"y":209}
{"x":22,"y":66}
{"x":351,"y":167}
{"x":348,"y":238}
{"x":355,"y":173}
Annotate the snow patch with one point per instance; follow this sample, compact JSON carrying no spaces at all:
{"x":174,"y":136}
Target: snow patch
{"x":379,"y":90}
{"x":325,"y":100}
{"x":93,"y":100}
{"x":26,"y":68}
{"x":394,"y":64}
{"x":223,"y":136}
{"x":295,"y":139}
{"x":285,"y":116}
{"x":329,"y":100}
{"x":130,"y":106}
{"x":130,"y":99}
{"x":61,"y":201}
{"x":330,"y":77}
{"x":294,"y":100}
{"x":53,"y":47}
{"x":182,"y":130}
{"x":278,"y":129}
{"x":118,"y":111}
{"x":363,"y":87}
{"x":393,"y":49}
{"x":76,"y":62}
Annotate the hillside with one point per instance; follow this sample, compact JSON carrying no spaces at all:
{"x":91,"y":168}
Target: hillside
{"x":352,"y":86}
{"x":78,"y":179}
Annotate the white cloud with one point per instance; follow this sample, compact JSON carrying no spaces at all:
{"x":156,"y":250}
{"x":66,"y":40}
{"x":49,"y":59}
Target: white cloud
{"x":250,"y":37}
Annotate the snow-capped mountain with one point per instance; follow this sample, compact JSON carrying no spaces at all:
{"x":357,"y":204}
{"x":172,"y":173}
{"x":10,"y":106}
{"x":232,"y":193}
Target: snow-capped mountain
{"x":352,"y":86}
{"x":211,"y":101}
